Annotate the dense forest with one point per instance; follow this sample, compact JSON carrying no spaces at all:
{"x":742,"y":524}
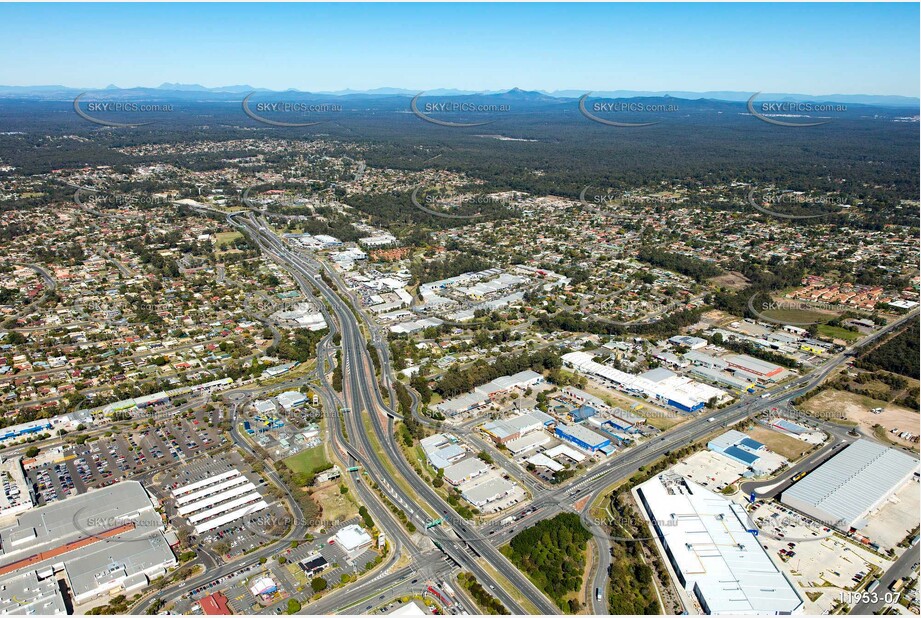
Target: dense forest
{"x":554,"y":149}
{"x":457,"y":381}
{"x":552,"y":553}
{"x":899,"y":355}
{"x":675,"y":262}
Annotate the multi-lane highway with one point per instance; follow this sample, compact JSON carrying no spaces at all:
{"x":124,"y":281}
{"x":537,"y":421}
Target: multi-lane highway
{"x":462,"y":541}
{"x":366,"y":436}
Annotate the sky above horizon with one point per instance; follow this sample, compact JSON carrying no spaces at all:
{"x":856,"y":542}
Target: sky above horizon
{"x":820,"y":48}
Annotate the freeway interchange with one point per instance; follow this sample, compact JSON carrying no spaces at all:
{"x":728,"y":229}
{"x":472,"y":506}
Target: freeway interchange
{"x":360,"y":428}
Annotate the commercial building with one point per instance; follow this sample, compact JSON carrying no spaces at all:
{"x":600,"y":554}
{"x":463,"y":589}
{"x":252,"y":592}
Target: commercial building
{"x":353,"y":539}
{"x":843,"y":490}
{"x":442,"y":450}
{"x":500,"y":386}
{"x":752,"y":454}
{"x":465,"y":470}
{"x":24,"y":430}
{"x":214,"y":605}
{"x":582,"y":437}
{"x":28,"y":594}
{"x":754,"y":366}
{"x":662,"y":386}
{"x":527,"y":443}
{"x":711,"y":546}
{"x":463,"y":403}
{"x":505,"y":430}
{"x":488,"y":491}
{"x":105,"y":540}
{"x":692,"y":343}
{"x":291,"y":399}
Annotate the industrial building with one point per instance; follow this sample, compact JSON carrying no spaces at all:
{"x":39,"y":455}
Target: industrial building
{"x":500,"y":386}
{"x":843,"y":490}
{"x":582,"y":437}
{"x":465,"y":470}
{"x":489,"y":491}
{"x":662,"y":386}
{"x":291,"y":399}
{"x":752,"y":454}
{"x":505,"y":430}
{"x":580,"y":397}
{"x":712,"y":548}
{"x":582,"y":413}
{"x":692,"y":343}
{"x":217,"y":500}
{"x":105,"y":540}
{"x":749,"y":365}
{"x":463,"y":403}
{"x":442,"y":450}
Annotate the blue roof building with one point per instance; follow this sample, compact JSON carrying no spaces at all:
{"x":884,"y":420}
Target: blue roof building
{"x":582,"y":413}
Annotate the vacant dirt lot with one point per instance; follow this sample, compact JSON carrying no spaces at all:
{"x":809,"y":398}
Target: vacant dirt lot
{"x":782,"y":444}
{"x":834,"y":404}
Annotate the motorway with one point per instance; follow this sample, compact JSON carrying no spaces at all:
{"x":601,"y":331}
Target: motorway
{"x":384,"y":465}
{"x":463,"y":543}
{"x":548,"y":504}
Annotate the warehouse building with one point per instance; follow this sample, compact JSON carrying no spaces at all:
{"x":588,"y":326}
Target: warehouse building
{"x":755,"y":366}
{"x":660,"y":385}
{"x":505,"y":430}
{"x":710,"y":543}
{"x":582,"y":437}
{"x":500,"y":386}
{"x":752,"y":454}
{"x":465,"y":470}
{"x":105,"y":540}
{"x":842,"y":491}
{"x":463,"y":403}
{"x":579,"y":397}
{"x":692,"y":343}
{"x":488,"y":491}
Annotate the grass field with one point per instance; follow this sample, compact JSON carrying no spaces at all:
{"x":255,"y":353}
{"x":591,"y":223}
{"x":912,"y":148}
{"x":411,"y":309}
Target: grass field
{"x":227,"y":237}
{"x":307,"y":460}
{"x":782,"y":444}
{"x":836,"y":332}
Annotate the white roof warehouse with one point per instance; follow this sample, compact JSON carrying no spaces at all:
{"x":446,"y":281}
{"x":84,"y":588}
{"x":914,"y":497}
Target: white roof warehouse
{"x":708,"y":541}
{"x":845,"y":488}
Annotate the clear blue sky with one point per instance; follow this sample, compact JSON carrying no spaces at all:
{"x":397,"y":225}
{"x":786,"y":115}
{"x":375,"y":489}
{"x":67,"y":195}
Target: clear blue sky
{"x":819,"y":48}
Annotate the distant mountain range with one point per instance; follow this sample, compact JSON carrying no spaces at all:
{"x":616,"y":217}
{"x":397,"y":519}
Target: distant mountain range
{"x":225,"y":93}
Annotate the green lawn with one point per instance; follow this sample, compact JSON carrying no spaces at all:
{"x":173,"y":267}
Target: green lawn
{"x":307,"y":460}
{"x":227,"y":237}
{"x":836,"y":332}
